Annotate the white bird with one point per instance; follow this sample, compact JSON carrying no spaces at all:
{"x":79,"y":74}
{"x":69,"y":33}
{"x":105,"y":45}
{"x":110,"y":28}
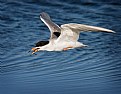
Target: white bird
{"x":64,"y":37}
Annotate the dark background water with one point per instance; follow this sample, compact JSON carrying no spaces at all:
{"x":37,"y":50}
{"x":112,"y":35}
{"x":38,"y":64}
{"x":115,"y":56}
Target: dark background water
{"x":95,"y":69}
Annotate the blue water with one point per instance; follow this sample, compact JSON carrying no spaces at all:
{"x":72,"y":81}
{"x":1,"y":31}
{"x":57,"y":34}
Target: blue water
{"x":95,"y":69}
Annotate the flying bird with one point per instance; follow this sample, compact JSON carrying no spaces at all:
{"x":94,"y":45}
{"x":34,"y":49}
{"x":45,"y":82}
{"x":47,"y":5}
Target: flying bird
{"x":63,"y":37}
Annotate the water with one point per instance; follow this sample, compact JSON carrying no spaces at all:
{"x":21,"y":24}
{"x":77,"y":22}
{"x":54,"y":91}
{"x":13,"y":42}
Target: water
{"x":95,"y":69}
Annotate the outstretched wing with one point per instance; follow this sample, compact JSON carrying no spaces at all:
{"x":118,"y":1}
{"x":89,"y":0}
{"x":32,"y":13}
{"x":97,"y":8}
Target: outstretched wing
{"x":54,"y":28}
{"x":70,"y":32}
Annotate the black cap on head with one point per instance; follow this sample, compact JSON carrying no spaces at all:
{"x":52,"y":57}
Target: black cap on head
{"x":41,"y":43}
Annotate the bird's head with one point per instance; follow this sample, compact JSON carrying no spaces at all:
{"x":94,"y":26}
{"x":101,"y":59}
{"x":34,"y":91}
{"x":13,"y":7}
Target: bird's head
{"x":38,"y":46}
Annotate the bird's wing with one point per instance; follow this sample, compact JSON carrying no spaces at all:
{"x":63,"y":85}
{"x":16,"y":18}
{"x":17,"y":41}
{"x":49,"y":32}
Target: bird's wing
{"x":54,"y":28}
{"x":70,"y":32}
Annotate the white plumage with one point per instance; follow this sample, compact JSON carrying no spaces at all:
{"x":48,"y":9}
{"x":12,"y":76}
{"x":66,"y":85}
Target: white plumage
{"x":65,"y":37}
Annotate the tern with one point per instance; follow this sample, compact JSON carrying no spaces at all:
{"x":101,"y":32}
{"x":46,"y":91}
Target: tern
{"x":63,"y":37}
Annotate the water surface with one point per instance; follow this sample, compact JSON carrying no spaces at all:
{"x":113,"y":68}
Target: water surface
{"x":95,"y":69}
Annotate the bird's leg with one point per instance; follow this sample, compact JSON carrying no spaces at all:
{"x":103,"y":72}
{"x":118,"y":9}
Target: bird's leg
{"x":35,"y":49}
{"x":67,"y":48}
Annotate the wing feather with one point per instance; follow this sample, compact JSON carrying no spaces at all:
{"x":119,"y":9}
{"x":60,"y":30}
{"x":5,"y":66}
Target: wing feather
{"x":82,"y":27}
{"x":70,"y":32}
{"x":51,"y":25}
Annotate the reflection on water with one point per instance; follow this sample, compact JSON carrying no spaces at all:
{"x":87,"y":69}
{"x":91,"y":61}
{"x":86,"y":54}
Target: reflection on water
{"x":95,"y":69}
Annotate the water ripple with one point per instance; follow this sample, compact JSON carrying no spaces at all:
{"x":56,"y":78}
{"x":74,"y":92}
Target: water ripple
{"x":91,"y":70}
